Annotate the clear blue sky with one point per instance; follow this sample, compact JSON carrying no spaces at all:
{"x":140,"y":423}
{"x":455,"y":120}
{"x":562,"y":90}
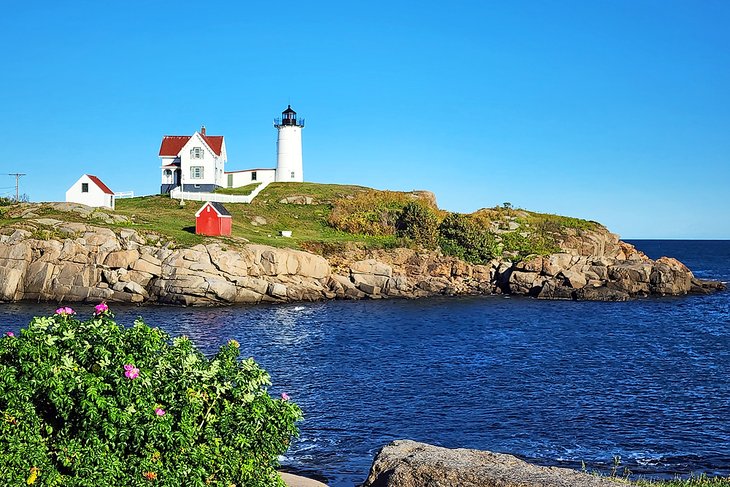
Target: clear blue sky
{"x":616,"y":111}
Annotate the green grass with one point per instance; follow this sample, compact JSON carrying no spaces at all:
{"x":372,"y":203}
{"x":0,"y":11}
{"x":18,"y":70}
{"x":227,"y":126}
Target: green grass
{"x":694,"y":481}
{"x":308,"y":223}
{"x":623,"y":476}
{"x":243,"y":190}
{"x":162,"y":215}
{"x":557,"y":222}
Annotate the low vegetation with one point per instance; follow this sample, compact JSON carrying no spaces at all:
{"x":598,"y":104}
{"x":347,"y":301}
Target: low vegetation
{"x":693,"y":481}
{"x":330,"y":216}
{"x":623,"y":476}
{"x":368,"y":212}
{"x":90,"y":402}
{"x":242,"y":191}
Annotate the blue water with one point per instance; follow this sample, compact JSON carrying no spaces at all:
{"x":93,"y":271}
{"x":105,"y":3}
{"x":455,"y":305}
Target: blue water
{"x":558,"y":383}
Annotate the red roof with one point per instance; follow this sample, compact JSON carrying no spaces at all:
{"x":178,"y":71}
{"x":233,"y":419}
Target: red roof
{"x":101,"y":185}
{"x":172,"y":144}
{"x":215,"y":142}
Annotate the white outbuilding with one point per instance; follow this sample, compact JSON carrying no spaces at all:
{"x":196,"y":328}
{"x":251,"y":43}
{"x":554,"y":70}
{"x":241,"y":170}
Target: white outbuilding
{"x":91,"y":191}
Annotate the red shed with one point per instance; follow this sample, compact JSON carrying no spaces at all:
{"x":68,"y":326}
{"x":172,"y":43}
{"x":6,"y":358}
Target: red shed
{"x":213,"y":219}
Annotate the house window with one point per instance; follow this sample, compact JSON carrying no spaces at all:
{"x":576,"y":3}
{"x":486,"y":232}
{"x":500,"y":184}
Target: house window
{"x":84,"y":187}
{"x":167,"y":175}
{"x":196,"y":153}
{"x":253,"y":176}
{"x":292,"y":174}
{"x":196,"y":172}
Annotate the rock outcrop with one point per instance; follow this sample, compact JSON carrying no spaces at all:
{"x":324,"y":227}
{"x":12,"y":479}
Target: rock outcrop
{"x":63,"y":261}
{"x":93,"y":264}
{"x":406,"y":463}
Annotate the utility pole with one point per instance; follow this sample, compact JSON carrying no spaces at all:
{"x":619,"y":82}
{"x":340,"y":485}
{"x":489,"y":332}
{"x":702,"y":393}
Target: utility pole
{"x":17,"y":184}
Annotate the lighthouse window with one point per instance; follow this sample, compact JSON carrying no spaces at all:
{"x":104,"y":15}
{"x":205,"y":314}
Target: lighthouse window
{"x":253,"y":176}
{"x":196,"y":172}
{"x":292,"y":174}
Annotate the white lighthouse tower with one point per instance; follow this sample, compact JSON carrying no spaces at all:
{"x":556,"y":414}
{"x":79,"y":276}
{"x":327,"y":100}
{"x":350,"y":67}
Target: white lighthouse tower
{"x":289,"y":147}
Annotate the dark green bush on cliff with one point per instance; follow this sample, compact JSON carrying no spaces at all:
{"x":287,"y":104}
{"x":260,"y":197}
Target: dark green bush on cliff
{"x":91,"y":403}
{"x":461,"y":237}
{"x":418,"y":224}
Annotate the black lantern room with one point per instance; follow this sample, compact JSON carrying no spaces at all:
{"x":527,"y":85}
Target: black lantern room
{"x":288,"y":118}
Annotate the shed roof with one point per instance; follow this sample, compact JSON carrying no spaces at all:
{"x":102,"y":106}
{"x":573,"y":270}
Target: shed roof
{"x":218,"y":207}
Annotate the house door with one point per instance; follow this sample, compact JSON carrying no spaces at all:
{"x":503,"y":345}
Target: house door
{"x":177,"y":177}
{"x":230,"y":180}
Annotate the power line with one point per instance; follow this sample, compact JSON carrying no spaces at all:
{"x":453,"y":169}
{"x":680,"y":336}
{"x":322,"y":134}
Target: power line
{"x":17,"y":184}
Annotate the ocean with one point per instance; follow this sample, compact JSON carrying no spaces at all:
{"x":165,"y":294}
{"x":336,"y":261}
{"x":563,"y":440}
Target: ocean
{"x":554,"y":382}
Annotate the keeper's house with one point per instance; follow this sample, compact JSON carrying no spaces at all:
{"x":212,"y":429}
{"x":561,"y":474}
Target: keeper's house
{"x":195,"y":162}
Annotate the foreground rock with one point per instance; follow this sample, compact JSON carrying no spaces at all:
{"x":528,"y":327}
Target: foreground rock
{"x":62,"y":261}
{"x":406,"y":463}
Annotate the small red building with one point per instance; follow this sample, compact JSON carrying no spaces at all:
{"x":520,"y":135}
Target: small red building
{"x":213,"y":219}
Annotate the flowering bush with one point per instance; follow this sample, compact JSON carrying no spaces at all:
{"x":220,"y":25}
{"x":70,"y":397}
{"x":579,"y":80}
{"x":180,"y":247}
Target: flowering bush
{"x":91,"y":403}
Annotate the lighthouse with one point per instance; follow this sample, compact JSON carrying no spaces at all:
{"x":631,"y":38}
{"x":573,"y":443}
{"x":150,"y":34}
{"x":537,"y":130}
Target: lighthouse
{"x":289,"y":147}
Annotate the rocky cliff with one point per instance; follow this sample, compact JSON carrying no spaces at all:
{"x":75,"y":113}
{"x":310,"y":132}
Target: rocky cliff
{"x":81,"y":262}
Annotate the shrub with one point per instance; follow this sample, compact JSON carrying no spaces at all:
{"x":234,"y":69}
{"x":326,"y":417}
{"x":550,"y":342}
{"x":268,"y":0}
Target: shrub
{"x":92,"y":403}
{"x":368,"y":212}
{"x":463,"y":238}
{"x":523,"y":244}
{"x":419,"y":224}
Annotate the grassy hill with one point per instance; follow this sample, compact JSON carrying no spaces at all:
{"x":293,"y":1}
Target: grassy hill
{"x":307,"y":222}
{"x":334,"y":216}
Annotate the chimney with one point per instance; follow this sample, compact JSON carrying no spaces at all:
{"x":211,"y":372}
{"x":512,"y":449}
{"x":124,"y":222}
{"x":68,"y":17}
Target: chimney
{"x":202,"y":130}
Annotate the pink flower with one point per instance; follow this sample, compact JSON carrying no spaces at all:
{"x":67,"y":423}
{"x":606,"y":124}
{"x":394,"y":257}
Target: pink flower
{"x":10,"y":333}
{"x":284,"y":396}
{"x":101,"y":308}
{"x":65,"y":311}
{"x":130,"y":371}
{"x":159,"y":411}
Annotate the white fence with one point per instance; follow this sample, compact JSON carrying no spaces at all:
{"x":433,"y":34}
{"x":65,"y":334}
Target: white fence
{"x":218,"y":198}
{"x":124,"y":194}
